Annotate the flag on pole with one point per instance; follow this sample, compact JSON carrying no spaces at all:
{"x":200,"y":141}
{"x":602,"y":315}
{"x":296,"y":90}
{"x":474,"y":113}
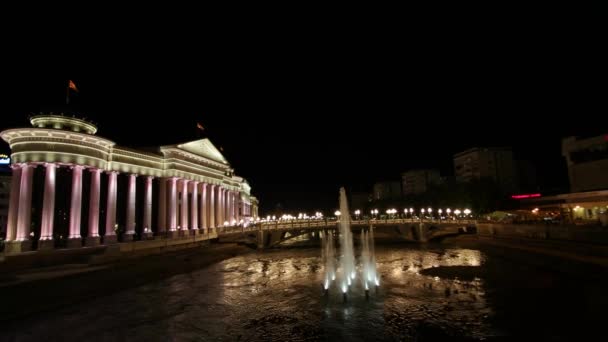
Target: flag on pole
{"x":199,"y":126}
{"x":72,"y":86}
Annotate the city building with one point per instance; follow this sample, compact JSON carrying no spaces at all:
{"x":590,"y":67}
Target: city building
{"x":491,"y":163}
{"x":577,"y":207}
{"x":71,"y":185}
{"x":386,"y":191}
{"x":587,"y":161}
{"x":418,"y":181}
{"x":359,"y":200}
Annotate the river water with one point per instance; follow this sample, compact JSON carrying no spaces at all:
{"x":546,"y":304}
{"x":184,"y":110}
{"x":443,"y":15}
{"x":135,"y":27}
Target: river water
{"x":426,"y":293}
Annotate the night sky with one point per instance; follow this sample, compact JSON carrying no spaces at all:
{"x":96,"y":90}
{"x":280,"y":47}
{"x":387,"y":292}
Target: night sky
{"x":298,"y":118}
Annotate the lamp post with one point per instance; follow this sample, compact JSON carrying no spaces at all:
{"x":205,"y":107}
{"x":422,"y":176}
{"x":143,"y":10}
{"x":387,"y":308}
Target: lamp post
{"x":412,"y":213}
{"x":439,"y":211}
{"x":421,"y":214}
{"x":374,"y":213}
{"x":357,"y":213}
{"x":448,"y":210}
{"x":457,"y":213}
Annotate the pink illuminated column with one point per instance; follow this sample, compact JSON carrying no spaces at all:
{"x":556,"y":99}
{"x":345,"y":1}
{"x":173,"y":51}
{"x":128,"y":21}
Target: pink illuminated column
{"x":219,"y":207}
{"x":230,"y":206}
{"x":48,"y":208}
{"x":211,"y":206}
{"x":162,"y":206}
{"x":227,"y":207}
{"x":130,"y":224}
{"x":93,"y":235}
{"x":75,"y":239}
{"x":25,"y":203}
{"x":184,"y":207}
{"x":204,"y":203}
{"x":13,"y":211}
{"x":172,"y":203}
{"x":237,"y":205}
{"x":148,"y":205}
{"x":194,"y":206}
{"x":110,"y":236}
{"x":234,"y":206}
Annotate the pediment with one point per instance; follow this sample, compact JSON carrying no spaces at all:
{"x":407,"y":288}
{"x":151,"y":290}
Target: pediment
{"x":203,"y":148}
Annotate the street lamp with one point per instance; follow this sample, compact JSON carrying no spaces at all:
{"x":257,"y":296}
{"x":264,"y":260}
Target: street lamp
{"x":357,"y":213}
{"x":421,"y":214}
{"x":338,"y":213}
{"x":411,"y":212}
{"x":467,"y":212}
{"x":457,"y":212}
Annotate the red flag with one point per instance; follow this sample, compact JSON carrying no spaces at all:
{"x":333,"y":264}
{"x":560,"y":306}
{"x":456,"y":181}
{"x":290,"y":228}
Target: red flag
{"x":72,"y":86}
{"x":200,"y":126}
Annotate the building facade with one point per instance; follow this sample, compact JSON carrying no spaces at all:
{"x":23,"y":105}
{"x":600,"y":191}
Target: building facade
{"x":387,"y":191}
{"x":70,"y":184}
{"x":578,"y":207}
{"x":418,"y":181}
{"x":587,"y":161}
{"x":492,"y":163}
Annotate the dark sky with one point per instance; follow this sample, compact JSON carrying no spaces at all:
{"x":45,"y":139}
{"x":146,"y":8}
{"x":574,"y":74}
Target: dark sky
{"x":299,"y":116}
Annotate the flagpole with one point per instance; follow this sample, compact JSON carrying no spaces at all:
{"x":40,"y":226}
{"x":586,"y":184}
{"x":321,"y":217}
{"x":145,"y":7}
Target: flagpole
{"x":67,"y":95}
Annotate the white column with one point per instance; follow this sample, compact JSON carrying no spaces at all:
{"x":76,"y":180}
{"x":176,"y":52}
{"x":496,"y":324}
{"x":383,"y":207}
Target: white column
{"x":93,"y":234}
{"x":13,"y":209}
{"x":147,"y":228}
{"x":229,"y":207}
{"x":25,"y":203}
{"x":172,"y":203}
{"x":218,"y":208}
{"x":110,"y":236}
{"x":237,"y":211}
{"x":184,"y":207}
{"x":130,"y":223}
{"x":194,"y":206}
{"x":162,"y":206}
{"x":204,"y":203}
{"x":226,"y":206}
{"x":75,"y":239}
{"x":211,"y":206}
{"x":48,"y":207}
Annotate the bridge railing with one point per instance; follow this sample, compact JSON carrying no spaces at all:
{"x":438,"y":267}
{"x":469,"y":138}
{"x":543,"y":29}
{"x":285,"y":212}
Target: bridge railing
{"x":274,"y":225}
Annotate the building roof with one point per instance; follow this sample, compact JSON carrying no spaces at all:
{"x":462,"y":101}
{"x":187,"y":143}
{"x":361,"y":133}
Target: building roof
{"x":203,"y":148}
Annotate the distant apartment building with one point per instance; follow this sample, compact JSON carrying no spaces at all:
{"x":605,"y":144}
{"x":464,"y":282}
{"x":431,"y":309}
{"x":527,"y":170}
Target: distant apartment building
{"x":417,"y":181}
{"x":587,"y":161}
{"x":493,"y":163}
{"x":387,"y":191}
{"x":359,"y":200}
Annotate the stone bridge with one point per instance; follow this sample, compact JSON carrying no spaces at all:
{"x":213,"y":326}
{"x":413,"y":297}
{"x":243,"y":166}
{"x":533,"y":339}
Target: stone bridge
{"x":270,"y":234}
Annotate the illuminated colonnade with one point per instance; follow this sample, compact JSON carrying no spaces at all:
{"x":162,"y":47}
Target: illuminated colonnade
{"x":191,"y":186}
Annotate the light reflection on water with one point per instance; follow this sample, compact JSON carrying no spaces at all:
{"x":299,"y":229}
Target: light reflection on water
{"x":278,"y":296}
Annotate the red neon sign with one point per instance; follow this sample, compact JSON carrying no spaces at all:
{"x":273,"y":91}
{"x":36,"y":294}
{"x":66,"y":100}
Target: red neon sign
{"x":525,"y":196}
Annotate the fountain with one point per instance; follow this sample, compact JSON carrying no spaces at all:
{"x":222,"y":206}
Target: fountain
{"x":347,"y":267}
